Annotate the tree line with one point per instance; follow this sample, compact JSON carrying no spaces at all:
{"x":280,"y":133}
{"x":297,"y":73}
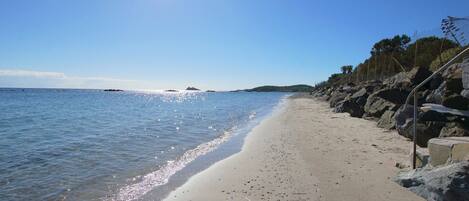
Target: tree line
{"x":390,"y":56}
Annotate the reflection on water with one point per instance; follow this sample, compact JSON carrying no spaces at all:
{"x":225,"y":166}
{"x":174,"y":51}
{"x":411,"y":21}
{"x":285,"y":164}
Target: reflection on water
{"x":90,"y":144}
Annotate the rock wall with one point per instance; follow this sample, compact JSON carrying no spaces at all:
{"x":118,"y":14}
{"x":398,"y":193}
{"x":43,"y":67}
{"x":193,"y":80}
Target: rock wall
{"x":383,"y":101}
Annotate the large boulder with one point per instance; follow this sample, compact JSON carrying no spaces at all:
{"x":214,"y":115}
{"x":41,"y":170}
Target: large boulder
{"x":425,"y":129}
{"x":453,"y":77}
{"x":435,"y":112}
{"x":430,"y":122}
{"x":383,"y":100}
{"x":350,"y":107}
{"x":455,"y":101}
{"x":407,"y":80}
{"x":400,"y":80}
{"x":387,"y":120}
{"x":336,"y":97}
{"x":446,"y":183}
{"x":450,"y":92}
{"x":353,"y":104}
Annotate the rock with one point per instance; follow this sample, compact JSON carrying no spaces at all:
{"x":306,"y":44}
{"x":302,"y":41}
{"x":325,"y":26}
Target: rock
{"x":192,"y":89}
{"x":336,"y":97}
{"x":447,"y":183}
{"x":454,"y":129}
{"x":399,"y":80}
{"x":375,"y":106}
{"x":435,"y":112}
{"x":383,"y":100}
{"x":432,"y":115}
{"x":350,"y":107}
{"x":436,"y":95}
{"x":354,"y":104}
{"x":435,"y":82}
{"x":407,"y":80}
{"x":465,"y":93}
{"x":425,"y":130}
{"x":360,"y":96}
{"x":418,"y":75}
{"x":453,"y":79}
{"x":387,"y":120}
{"x":431,"y":120}
{"x":113,"y":90}
{"x":400,"y":165}
{"x":456,"y":101}
{"x":210,"y":91}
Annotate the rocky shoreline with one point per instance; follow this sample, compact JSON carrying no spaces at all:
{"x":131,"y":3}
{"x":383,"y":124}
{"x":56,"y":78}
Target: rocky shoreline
{"x":384,"y":102}
{"x":443,"y":111}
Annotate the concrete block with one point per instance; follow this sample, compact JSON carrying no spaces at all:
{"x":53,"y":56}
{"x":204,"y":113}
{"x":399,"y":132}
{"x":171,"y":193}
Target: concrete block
{"x":448,"y":150}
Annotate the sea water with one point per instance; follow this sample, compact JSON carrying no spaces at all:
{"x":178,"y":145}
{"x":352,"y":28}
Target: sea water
{"x":65,"y":144}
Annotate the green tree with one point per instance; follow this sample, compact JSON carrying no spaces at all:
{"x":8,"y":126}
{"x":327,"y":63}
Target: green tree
{"x":347,"y":69}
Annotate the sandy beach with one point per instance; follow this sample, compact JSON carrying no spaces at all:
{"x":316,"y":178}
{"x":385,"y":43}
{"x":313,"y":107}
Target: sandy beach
{"x":304,"y":151}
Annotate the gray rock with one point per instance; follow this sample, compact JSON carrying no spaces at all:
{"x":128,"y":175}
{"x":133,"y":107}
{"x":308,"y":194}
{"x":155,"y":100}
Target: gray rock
{"x":435,"y":112}
{"x":406,"y":80}
{"x":383,"y":100}
{"x":336,"y":97}
{"x":400,"y":80}
{"x":354,"y":104}
{"x":436,"y":96}
{"x":453,"y":79}
{"x":456,"y":101}
{"x":350,"y":107}
{"x":454,"y":129}
{"x":387,"y":120}
{"x":447,"y":183}
{"x":425,"y":129}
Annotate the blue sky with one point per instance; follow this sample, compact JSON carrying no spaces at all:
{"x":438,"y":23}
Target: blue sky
{"x":210,"y":44}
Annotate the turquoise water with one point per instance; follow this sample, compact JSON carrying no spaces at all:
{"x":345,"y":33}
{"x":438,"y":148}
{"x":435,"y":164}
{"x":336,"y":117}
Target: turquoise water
{"x":89,"y":144}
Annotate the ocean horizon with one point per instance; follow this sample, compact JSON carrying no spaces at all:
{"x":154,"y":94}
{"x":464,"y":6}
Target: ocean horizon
{"x":89,"y":144}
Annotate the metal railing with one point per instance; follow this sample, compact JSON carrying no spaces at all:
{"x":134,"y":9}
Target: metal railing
{"x":414,"y":93}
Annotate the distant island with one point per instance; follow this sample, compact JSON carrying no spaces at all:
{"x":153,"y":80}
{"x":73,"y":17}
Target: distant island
{"x":210,"y":91}
{"x":192,"y":89}
{"x":113,"y":90}
{"x":292,"y":88}
{"x":171,"y":90}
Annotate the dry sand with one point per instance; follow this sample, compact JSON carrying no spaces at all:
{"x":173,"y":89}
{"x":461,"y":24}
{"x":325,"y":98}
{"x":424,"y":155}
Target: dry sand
{"x":306,"y":152}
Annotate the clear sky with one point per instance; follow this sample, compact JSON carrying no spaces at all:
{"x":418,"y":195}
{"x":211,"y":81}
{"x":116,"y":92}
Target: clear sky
{"x":210,"y":44}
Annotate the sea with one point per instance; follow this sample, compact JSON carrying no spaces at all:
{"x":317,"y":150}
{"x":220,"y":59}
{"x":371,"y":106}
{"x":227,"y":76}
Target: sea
{"x":84,"y":144}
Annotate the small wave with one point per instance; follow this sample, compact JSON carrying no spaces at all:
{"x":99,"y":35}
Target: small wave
{"x":161,"y":176}
{"x":252,"y":115}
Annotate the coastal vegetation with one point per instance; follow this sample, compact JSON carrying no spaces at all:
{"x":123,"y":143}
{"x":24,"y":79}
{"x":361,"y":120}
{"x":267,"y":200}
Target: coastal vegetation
{"x":390,"y":56}
{"x":292,"y":88}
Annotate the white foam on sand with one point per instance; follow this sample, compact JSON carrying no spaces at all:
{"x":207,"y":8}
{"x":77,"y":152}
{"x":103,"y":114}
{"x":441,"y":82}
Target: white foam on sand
{"x":161,"y":176}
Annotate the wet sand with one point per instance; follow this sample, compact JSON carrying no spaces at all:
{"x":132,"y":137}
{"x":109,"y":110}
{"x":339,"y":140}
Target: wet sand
{"x":306,"y":152}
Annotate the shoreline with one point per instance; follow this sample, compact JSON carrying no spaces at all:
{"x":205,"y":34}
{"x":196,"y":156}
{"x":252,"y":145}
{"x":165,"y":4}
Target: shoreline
{"x":301,"y":153}
{"x":158,"y":184}
{"x":231,"y":146}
